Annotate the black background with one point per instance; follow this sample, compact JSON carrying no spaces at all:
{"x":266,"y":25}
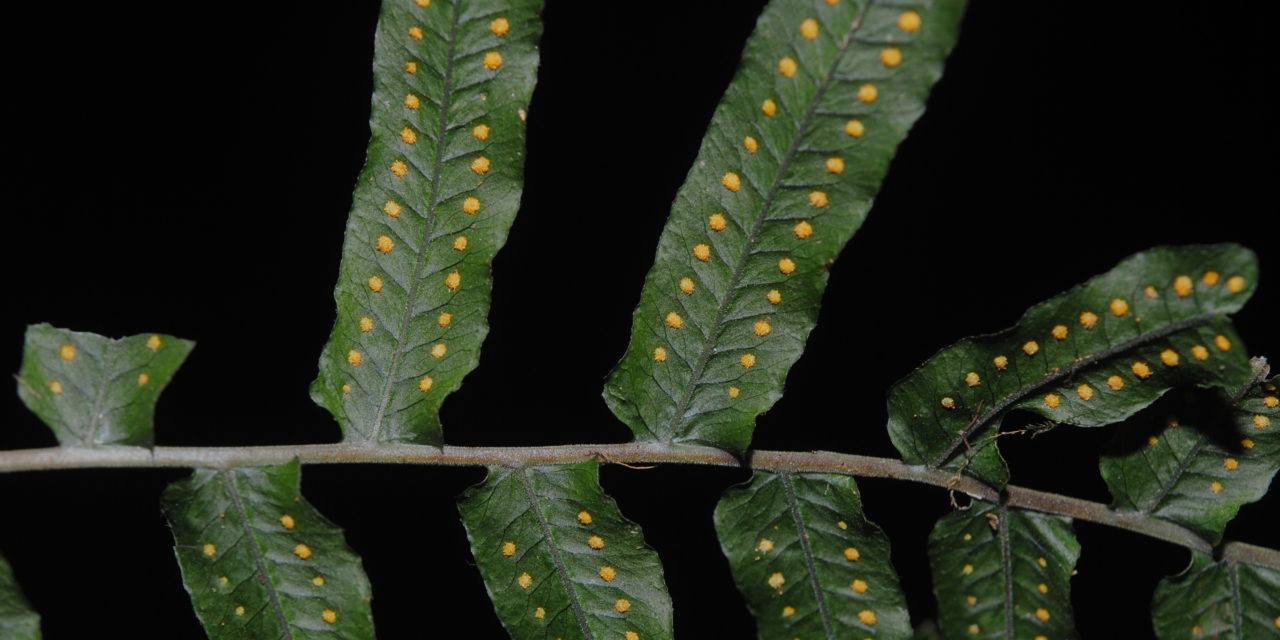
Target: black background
{"x":187,"y":168}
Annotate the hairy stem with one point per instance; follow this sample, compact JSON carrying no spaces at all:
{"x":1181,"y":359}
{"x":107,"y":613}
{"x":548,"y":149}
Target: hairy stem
{"x":629,"y":453}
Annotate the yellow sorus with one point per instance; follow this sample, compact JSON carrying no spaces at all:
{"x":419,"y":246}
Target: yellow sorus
{"x":1199,"y":352}
{"x":1230,"y":464}
{"x":287,"y":521}
{"x":776,"y":580}
{"x":399,"y":169}
{"x":1261,"y":421}
{"x":471,"y":206}
{"x":747,"y":360}
{"x":948,"y":402}
{"x":460,"y":243}
{"x":659,"y":354}
{"x":1001,"y":362}
{"x":67,"y":352}
{"x":787,"y":266}
{"x":702,"y":252}
{"x":1210,"y":278}
{"x":817,"y":199}
{"x":439,"y":350}
{"x":1088,"y":319}
{"x":717,"y":222}
{"x":481,"y":132}
{"x":1059,"y":332}
{"x":595,"y":542}
{"x":425,"y":383}
{"x":734,"y":391}
{"x":499,"y":27}
{"x":787,"y":67}
{"x":750,"y":144}
{"x":453,"y":280}
{"x":858,"y":586}
{"x":687,"y":286}
{"x":769,"y":107}
{"x":1215,"y":487}
{"x":1085,"y":392}
{"x":1182,"y":286}
{"x":867,"y":617}
{"x":1271,"y":401}
{"x":415,"y":33}
{"x":774,"y":296}
{"x":584,"y":517}
{"x":674,"y":320}
{"x":392,"y":208}
{"x":302,"y":551}
{"x":608,"y":574}
{"x":762,"y":328}
{"x":835,"y":165}
{"x":385,"y":245}
{"x":408,"y":136}
{"x":909,"y":21}
{"x":492,"y":60}
{"x":1169,"y":357}
{"x":868,"y":93}
{"x":355,"y":358}
{"x":411,"y":67}
{"x":1222,"y":343}
{"x":525,"y":581}
{"x":731,"y":181}
{"x":1053,"y":400}
{"x":154,"y":342}
{"x":375,"y":284}
{"x":444,"y":319}
{"x":1119,"y":307}
{"x":329,"y":616}
{"x":143,"y":379}
{"x":1031,"y":348}
{"x":508,"y":549}
{"x":622,"y":605}
{"x":809,"y":29}
{"x":1235,"y":284}
{"x":803,"y":229}
{"x":972,"y":379}
{"x":1141,"y":369}
{"x":1115,"y":382}
{"x":480,"y":165}
{"x":411,"y":101}
{"x":891,"y":57}
{"x":855,"y":129}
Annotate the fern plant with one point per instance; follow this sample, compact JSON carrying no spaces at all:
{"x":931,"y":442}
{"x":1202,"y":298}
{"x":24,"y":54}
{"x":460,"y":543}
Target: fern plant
{"x":794,"y":154}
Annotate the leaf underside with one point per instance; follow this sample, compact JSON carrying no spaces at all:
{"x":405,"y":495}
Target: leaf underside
{"x":1003,"y":573}
{"x":807,"y":561}
{"x":17,"y":620}
{"x":92,"y":390}
{"x":560,"y":561}
{"x":741,"y":265}
{"x":431,"y":208}
{"x":1193,"y":464}
{"x":260,"y":562}
{"x":1092,"y":356}
{"x":1228,"y":599}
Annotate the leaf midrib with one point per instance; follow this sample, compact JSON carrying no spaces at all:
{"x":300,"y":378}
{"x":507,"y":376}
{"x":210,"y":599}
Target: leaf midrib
{"x":1006,"y":567}
{"x":95,"y":417}
{"x":810,"y":564}
{"x":437,"y":167}
{"x":1181,"y":470}
{"x":561,"y":571}
{"x":686,"y":397}
{"x":1064,"y":372}
{"x":233,"y":489}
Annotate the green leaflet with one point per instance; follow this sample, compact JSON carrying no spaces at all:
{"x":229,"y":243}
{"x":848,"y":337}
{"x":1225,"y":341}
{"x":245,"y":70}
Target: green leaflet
{"x":785,"y":175}
{"x":1092,"y":356}
{"x":260,"y":562}
{"x":807,"y":561}
{"x":1003,"y":573}
{"x":92,"y":390}
{"x":560,"y":561}
{"x":439,"y":191}
{"x":17,"y":620}
{"x":1195,"y":465}
{"x":1227,"y":599}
